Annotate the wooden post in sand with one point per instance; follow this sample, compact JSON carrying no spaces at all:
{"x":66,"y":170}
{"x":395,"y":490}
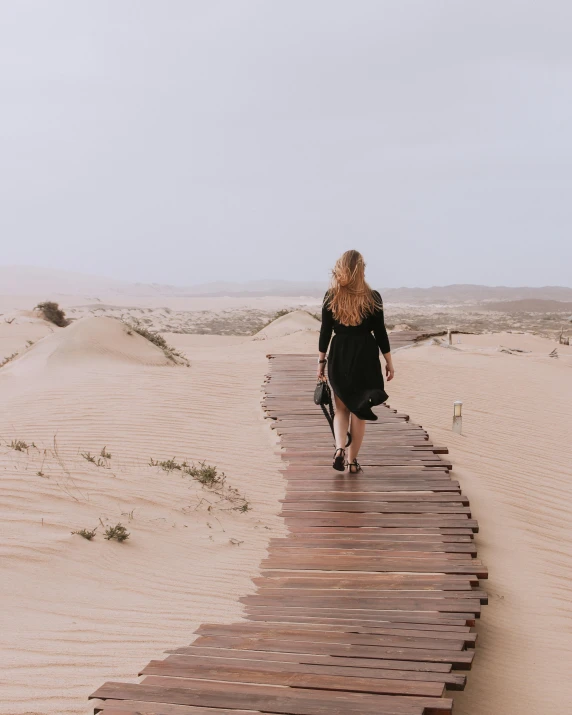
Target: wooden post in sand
{"x":458,"y":417}
{"x":449,"y":336}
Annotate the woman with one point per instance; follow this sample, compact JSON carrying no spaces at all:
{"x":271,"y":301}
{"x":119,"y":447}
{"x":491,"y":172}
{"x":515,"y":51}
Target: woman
{"x":354,"y":312}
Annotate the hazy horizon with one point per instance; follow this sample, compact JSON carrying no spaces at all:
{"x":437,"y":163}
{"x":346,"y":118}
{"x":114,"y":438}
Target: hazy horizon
{"x":239,"y":140}
{"x":27,"y":280}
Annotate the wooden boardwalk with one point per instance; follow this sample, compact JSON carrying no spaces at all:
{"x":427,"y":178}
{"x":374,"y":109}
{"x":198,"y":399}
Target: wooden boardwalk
{"x":366,"y":607}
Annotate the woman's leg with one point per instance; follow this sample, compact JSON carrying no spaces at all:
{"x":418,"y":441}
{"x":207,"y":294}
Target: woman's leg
{"x":341,"y":423}
{"x":357,"y":431}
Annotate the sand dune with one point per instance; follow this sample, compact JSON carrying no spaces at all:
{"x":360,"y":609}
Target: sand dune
{"x":293,"y":322}
{"x":86,"y":341}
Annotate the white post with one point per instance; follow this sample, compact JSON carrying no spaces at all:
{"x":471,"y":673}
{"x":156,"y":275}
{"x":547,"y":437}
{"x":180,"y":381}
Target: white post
{"x":458,"y":417}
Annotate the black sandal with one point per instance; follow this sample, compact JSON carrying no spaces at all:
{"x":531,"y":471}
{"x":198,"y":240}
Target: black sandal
{"x":355,"y":467}
{"x":339,"y":459}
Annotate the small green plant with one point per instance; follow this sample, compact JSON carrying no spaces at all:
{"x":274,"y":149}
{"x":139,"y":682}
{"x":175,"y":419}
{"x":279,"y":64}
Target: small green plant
{"x":19,"y":445}
{"x":98,"y":461}
{"x":104,"y":453}
{"x":29,"y":343}
{"x":53,"y":313}
{"x":117,"y":532}
{"x":86,"y":533}
{"x":206,"y":474}
{"x":167,"y":465}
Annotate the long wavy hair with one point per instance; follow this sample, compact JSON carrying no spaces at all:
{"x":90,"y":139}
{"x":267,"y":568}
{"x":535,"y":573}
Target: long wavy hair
{"x":350,"y":298}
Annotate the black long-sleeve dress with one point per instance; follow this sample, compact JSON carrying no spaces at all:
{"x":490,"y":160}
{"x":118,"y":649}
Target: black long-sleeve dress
{"x":354,"y":367}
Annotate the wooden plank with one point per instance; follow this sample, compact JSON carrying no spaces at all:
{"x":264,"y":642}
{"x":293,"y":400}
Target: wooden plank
{"x":458,"y":658}
{"x":313,"y":658}
{"x":420,"y":630}
{"x":377,"y":615}
{"x":139,"y":707}
{"x":394,"y":703}
{"x":274,"y":631}
{"x":300,"y":676}
{"x":373,"y":581}
{"x":452,"y":681}
{"x":335,"y":633}
{"x":258,"y":697}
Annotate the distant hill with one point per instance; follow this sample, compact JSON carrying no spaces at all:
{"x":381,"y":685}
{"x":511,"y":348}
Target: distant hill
{"x":30,"y":280}
{"x":466,"y":293}
{"x":529,"y":305}
{"x":50,"y":283}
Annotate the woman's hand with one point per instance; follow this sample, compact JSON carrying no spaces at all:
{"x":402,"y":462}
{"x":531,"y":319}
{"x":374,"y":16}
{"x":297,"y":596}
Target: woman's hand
{"x":389,"y":371}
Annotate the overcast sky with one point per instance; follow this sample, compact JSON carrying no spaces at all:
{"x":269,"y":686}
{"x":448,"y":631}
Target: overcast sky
{"x":185,"y":141}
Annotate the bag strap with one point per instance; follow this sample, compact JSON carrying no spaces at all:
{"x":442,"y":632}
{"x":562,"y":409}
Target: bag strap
{"x":329,"y":415}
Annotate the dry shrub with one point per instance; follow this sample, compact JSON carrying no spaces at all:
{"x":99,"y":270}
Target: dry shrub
{"x":53,"y":313}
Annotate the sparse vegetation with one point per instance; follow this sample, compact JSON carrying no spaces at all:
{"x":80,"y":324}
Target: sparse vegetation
{"x":86,"y":533}
{"x":167,"y":465}
{"x":209,"y":477}
{"x":53,"y":313}
{"x":19,"y":445}
{"x":117,"y":532}
{"x":206,"y":474}
{"x":8,"y":359}
{"x":104,"y":453}
{"x":170,"y":352}
{"x":98,"y":461}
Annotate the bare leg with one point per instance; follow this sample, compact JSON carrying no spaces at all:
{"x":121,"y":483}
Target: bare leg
{"x":357,"y":431}
{"x":341,"y":423}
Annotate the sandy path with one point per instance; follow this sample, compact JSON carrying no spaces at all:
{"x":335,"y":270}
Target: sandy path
{"x":514,"y":462}
{"x":76,"y":613}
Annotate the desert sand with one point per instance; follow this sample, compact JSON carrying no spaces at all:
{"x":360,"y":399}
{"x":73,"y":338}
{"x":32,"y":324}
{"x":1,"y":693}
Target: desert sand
{"x":514,"y":463}
{"x":76,"y":613}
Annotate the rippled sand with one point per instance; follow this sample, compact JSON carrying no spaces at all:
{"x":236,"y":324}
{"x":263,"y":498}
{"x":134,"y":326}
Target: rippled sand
{"x":514,"y":461}
{"x":76,"y":613}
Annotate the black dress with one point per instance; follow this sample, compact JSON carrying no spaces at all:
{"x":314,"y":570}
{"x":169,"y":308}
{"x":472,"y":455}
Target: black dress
{"x":354,"y":367}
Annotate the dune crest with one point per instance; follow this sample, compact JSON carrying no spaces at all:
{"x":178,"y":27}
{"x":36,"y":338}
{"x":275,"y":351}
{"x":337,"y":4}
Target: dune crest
{"x":287,"y":324}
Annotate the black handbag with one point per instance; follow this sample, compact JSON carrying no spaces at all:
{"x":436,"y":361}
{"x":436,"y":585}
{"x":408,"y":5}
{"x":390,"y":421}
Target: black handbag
{"x":323,"y":398}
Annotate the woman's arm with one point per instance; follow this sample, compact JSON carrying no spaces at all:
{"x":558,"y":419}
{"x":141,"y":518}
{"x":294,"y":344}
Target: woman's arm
{"x":382,"y":339}
{"x":325,"y":335}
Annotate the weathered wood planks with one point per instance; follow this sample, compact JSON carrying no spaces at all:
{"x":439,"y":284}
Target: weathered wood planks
{"x":367,"y":606}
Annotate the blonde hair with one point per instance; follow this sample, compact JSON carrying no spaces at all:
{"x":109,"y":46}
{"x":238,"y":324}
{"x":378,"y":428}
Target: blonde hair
{"x":350,"y":298}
